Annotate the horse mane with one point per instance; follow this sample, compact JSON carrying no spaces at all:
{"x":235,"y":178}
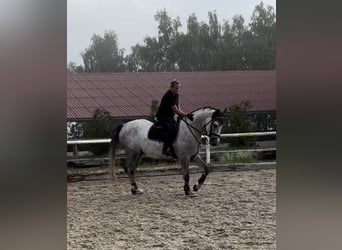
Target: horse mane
{"x":203,"y":108}
{"x":217,"y":113}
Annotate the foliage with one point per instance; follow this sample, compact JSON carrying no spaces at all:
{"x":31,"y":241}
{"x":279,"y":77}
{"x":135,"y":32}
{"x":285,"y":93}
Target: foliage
{"x":239,"y":122}
{"x":262,"y":29}
{"x":208,"y":46}
{"x":154,"y":108}
{"x":204,"y":46}
{"x":103,"y":54}
{"x":237,"y":157}
{"x":73,"y":68}
{"x":99,"y":127}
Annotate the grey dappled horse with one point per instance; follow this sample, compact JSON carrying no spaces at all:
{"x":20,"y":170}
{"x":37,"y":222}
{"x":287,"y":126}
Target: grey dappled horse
{"x":132,"y":138}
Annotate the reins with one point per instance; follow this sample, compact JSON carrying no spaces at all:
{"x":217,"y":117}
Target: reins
{"x":200,"y":132}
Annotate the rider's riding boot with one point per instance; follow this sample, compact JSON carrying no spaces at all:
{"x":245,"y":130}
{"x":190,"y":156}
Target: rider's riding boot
{"x":173,"y":152}
{"x":169,"y":151}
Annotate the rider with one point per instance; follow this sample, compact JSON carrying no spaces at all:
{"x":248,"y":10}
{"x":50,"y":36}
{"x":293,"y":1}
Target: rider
{"x":168,"y":107}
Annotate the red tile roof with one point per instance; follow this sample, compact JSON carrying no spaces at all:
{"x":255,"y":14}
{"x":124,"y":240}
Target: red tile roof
{"x":131,"y":94}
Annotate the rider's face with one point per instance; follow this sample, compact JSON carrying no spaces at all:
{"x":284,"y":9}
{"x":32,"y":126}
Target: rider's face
{"x":175,"y":88}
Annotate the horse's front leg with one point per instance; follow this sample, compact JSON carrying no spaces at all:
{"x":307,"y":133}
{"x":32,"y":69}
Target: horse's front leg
{"x":185,"y":171}
{"x":199,"y":161}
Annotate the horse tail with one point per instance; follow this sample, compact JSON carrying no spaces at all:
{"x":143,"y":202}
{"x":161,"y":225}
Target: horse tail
{"x":112,"y":150}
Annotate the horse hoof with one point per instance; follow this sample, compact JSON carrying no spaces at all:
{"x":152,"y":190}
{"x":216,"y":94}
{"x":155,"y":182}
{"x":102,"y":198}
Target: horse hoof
{"x":196,"y":187}
{"x":137,"y":191}
{"x":190,"y":194}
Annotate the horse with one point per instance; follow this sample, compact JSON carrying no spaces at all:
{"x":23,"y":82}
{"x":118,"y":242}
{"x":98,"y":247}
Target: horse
{"x":133,"y":138}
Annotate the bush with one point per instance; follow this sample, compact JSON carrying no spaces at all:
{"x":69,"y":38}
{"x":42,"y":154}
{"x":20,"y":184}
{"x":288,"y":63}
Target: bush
{"x":154,"y":109}
{"x":239,"y":122}
{"x":99,"y":127}
{"x":238,"y":157}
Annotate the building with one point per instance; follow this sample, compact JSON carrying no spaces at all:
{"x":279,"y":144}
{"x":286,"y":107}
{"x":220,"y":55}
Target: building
{"x":129,"y":95}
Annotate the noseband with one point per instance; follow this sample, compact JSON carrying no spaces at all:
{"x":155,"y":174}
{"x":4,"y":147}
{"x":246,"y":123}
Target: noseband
{"x":211,"y":130}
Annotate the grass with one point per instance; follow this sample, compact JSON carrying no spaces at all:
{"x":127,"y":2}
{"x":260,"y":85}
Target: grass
{"x":237,"y":157}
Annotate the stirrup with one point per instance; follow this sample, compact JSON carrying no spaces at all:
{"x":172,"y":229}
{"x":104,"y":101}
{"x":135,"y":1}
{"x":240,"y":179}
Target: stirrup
{"x":167,"y":152}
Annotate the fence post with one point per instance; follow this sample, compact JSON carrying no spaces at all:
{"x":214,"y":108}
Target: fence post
{"x":75,"y":151}
{"x":207,"y":148}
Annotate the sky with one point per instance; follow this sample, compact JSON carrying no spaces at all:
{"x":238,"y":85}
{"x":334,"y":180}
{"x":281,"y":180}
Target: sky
{"x":133,"y":20}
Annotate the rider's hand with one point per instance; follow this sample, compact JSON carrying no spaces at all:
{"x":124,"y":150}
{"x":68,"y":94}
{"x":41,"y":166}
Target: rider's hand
{"x":190,"y":116}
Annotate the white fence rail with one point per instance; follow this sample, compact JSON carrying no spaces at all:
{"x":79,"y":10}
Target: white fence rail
{"x":75,"y":142}
{"x":207,"y":145}
{"x":249,"y":134}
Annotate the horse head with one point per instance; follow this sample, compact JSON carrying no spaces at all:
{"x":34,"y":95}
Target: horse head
{"x":214,"y":127}
{"x":208,"y":121}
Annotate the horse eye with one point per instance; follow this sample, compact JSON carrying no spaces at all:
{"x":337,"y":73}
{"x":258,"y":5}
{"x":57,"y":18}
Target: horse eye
{"x":215,"y":125}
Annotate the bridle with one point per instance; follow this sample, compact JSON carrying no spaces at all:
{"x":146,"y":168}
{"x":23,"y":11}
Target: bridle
{"x":211,"y":133}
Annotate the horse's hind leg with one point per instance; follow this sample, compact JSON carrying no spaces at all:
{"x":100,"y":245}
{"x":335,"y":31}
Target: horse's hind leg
{"x":199,"y":161}
{"x":135,"y":163}
{"x":132,"y":161}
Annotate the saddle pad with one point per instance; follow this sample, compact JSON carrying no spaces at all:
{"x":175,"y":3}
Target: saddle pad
{"x":155,"y":133}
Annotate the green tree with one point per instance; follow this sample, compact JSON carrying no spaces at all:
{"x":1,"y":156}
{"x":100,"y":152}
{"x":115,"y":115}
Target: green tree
{"x":99,"y":127}
{"x":73,"y":68}
{"x":182,"y":53}
{"x":240,"y":39}
{"x":134,"y":61}
{"x":228,"y":57}
{"x":167,"y":35}
{"x":262,"y":43}
{"x":195,"y":54}
{"x":215,"y":61}
{"x":190,"y":57}
{"x":208,"y":46}
{"x":157,"y":53}
{"x":150,"y":55}
{"x":103,"y":54}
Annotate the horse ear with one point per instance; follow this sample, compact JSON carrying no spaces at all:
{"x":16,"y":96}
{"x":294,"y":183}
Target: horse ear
{"x":219,"y":113}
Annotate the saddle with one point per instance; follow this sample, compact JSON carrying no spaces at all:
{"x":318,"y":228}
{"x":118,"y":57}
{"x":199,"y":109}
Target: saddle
{"x":156,"y":132}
